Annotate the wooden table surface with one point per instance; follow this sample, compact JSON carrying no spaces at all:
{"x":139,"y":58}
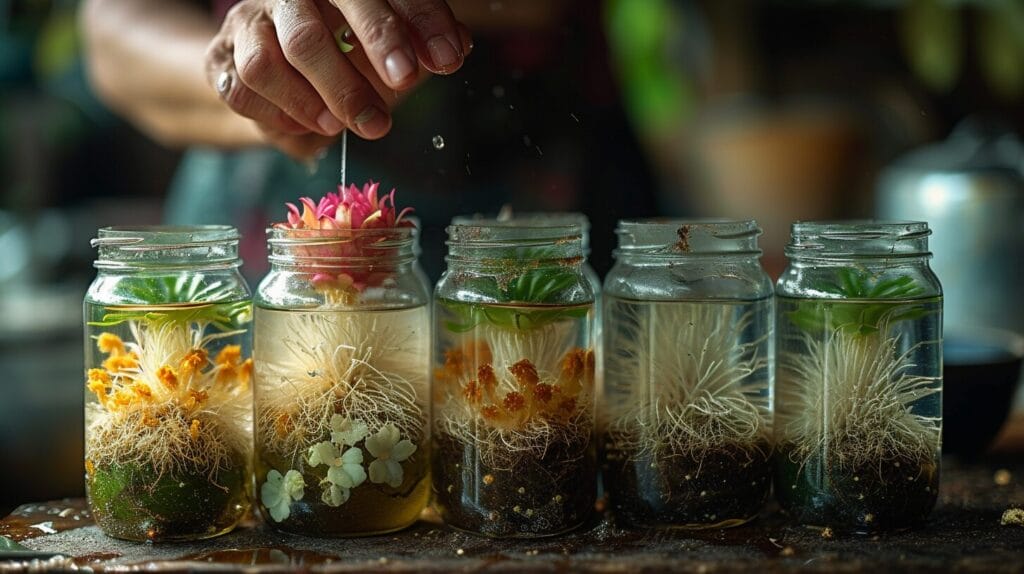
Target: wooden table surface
{"x":964,"y":534}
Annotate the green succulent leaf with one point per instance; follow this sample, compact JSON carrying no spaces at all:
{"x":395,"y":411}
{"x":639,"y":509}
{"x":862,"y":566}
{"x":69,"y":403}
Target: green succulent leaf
{"x":167,"y":291}
{"x":864,"y":320}
{"x":540,"y":286}
{"x":225,"y":316}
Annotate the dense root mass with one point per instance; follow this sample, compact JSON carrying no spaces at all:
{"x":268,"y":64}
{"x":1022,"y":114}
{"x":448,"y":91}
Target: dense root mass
{"x":341,"y":419}
{"x":514,"y":430}
{"x":681,"y":380}
{"x":853,"y":396}
{"x":686,"y":389}
{"x":514,"y":394}
{"x":168,"y":437}
{"x":352,"y":364}
{"x":859,"y":413}
{"x":164,"y":404}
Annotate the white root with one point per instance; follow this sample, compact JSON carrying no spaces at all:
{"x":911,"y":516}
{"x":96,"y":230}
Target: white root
{"x":354,"y":364}
{"x":681,"y":382}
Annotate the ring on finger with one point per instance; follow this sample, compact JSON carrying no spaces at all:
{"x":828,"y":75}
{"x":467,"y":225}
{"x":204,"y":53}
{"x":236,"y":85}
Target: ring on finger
{"x":345,"y":37}
{"x":224,"y":81}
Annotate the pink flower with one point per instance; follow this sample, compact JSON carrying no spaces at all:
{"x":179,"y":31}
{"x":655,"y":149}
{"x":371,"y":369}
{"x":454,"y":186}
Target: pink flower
{"x":345,"y":214}
{"x":350,"y":208}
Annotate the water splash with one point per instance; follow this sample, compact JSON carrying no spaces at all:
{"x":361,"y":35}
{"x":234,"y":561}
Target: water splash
{"x":438,"y":142}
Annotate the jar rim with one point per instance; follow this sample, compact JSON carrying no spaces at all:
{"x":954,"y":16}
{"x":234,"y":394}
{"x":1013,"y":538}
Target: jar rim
{"x":507,"y":234}
{"x":336,"y":248}
{"x":862,"y":229}
{"x":858,"y":238}
{"x":287,"y":235}
{"x":133,"y":248}
{"x":517,"y":219}
{"x":666,"y":237}
{"x":162,"y":237}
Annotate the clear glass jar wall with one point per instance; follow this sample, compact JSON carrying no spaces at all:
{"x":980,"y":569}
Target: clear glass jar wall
{"x":542,"y":219}
{"x":168,"y":410}
{"x":859,"y":405}
{"x":686,"y":411}
{"x":513,"y":397}
{"x":342,"y":351}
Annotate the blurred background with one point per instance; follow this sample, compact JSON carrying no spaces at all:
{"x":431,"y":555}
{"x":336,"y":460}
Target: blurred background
{"x":775,"y":110}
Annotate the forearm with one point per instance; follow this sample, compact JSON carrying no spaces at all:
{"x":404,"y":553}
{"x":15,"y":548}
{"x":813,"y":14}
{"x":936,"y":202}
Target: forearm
{"x":145,"y":60}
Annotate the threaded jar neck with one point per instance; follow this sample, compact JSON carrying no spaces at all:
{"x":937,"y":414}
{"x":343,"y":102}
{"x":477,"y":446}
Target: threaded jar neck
{"x":341,"y":248}
{"x":508,"y":246}
{"x":535,"y":219}
{"x":825,"y":241}
{"x":139,"y":248}
{"x":673,"y":240}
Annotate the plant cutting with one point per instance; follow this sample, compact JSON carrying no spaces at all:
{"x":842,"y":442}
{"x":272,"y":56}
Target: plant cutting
{"x":342,"y":354}
{"x":688,"y":439}
{"x":167,"y":436}
{"x":514,"y":393}
{"x":858,"y":418}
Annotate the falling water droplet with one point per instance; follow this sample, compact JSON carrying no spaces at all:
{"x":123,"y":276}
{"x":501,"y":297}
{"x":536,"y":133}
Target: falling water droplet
{"x":438,"y":142}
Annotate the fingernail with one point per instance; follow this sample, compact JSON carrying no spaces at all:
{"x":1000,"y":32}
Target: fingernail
{"x":365,"y":115}
{"x":372,"y":122}
{"x":398,"y":65}
{"x":330,"y":124}
{"x":442,"y":52}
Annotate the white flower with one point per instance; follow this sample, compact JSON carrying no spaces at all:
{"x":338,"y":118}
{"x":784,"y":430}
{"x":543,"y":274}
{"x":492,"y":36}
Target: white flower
{"x":278,"y":492}
{"x":389,"y":452}
{"x":334,"y":495}
{"x":344,"y":472}
{"x":346,"y":431}
{"x":324,"y":453}
{"x":348,"y":473}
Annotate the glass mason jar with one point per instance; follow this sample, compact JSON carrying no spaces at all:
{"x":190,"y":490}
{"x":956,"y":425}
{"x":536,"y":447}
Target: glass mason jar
{"x":859,"y":405}
{"x":513,"y":395}
{"x":342,"y":351}
{"x":543,"y":218}
{"x":168,"y":410}
{"x":686,"y":410}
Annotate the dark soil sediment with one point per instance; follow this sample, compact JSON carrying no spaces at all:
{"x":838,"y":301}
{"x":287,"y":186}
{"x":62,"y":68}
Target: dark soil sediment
{"x":724,"y":486}
{"x":533,"y":496}
{"x":892,"y":493}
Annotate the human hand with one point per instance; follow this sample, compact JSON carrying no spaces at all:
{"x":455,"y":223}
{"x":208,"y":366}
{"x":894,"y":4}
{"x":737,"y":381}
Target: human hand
{"x":278,"y":63}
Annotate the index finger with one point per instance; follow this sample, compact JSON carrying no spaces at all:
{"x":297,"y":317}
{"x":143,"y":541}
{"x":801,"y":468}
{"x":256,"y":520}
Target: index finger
{"x":437,"y":36}
{"x":310,"y":47}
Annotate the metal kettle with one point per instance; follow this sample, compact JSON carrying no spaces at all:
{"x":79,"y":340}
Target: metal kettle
{"x":970,"y":190}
